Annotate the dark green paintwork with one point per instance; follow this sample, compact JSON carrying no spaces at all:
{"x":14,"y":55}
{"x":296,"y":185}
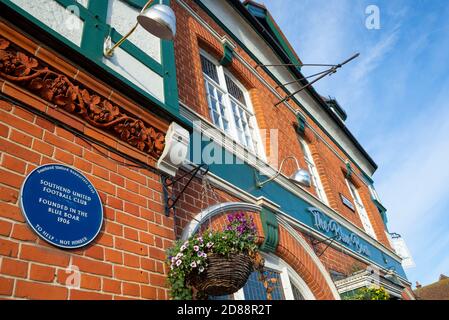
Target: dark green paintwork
{"x":228,"y":55}
{"x":270,"y":227}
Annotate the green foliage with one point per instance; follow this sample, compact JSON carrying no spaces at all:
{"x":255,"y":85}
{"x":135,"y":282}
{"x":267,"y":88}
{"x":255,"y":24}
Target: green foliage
{"x":189,"y":256}
{"x":369,"y":294}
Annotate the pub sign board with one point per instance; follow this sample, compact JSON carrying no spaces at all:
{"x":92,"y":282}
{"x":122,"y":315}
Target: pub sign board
{"x":62,"y":206}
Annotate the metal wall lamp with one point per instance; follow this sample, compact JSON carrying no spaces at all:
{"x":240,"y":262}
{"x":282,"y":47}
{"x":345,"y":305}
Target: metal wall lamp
{"x":159,"y":20}
{"x":300,"y":177}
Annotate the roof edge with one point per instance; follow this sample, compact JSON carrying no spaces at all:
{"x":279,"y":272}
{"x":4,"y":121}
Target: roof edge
{"x":285,"y":58}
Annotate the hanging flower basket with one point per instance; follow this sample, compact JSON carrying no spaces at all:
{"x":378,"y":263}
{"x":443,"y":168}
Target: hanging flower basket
{"x":216,"y":262}
{"x":224,"y":275}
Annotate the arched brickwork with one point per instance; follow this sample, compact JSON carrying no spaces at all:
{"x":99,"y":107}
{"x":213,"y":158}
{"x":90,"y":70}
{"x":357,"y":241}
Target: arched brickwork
{"x":300,"y":259}
{"x":292,"y":248}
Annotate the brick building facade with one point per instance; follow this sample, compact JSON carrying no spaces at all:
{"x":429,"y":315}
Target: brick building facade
{"x":63,"y":102}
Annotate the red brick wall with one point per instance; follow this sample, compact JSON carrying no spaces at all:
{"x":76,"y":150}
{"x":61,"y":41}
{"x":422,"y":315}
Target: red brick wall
{"x":193,"y":36}
{"x":124,"y":261}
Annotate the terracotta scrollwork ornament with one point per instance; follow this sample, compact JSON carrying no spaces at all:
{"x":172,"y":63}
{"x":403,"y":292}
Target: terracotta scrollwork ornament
{"x":56,"y":88}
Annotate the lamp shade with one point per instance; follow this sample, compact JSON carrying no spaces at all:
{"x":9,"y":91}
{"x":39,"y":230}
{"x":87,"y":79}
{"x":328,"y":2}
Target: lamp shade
{"x":159,"y":20}
{"x":301,"y":177}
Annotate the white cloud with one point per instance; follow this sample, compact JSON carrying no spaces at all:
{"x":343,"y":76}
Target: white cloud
{"x":413,"y":183}
{"x":373,"y":57}
{"x":408,"y":139}
{"x":414,"y":176}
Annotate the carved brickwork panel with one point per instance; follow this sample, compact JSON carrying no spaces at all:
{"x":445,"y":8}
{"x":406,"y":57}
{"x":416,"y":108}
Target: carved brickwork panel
{"x":56,"y":88}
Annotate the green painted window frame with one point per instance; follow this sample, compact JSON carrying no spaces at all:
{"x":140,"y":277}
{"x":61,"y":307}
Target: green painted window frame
{"x":92,"y":46}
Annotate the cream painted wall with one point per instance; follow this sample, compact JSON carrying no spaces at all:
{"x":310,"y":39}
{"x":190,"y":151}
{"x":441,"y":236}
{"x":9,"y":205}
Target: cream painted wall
{"x":54,"y":16}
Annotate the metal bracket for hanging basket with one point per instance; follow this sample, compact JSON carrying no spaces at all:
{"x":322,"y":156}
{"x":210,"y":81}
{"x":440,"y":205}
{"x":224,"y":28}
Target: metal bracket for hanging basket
{"x":316,"y":242}
{"x":170,"y":201}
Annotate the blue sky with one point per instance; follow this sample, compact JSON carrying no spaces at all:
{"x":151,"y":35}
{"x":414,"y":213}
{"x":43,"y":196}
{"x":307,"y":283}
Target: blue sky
{"x":396,"y":95}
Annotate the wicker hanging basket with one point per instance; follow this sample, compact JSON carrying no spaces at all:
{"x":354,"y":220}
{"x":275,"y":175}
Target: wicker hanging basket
{"x":223,"y":275}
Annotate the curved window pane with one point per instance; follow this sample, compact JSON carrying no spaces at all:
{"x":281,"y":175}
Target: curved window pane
{"x":255,"y":290}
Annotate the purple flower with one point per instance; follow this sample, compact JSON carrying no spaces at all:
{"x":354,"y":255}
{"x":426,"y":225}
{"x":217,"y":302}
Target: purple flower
{"x":196,"y":248}
{"x":193,"y":264}
{"x":178,"y":263}
{"x":200,"y":254}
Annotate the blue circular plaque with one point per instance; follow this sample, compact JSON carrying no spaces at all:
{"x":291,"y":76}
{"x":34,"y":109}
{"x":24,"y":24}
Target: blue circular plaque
{"x":62,"y":206}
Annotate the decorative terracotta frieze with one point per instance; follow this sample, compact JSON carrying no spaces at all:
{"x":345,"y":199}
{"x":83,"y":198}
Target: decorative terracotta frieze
{"x":56,"y":88}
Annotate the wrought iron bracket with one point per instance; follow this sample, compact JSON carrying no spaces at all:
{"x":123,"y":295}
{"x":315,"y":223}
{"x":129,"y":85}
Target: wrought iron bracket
{"x":316,"y":242}
{"x":167,"y":182}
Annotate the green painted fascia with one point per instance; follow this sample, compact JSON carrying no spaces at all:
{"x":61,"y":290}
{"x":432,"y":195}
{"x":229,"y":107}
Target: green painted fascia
{"x":170,"y":81}
{"x":270,"y":228}
{"x":263,"y":14}
{"x":92,"y":45}
{"x":241,"y":45}
{"x":242,"y":175}
{"x":256,"y":11}
{"x":227,"y":56}
{"x":96,"y":29}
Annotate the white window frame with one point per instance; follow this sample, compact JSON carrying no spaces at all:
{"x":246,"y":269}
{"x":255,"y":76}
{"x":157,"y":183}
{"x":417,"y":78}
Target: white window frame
{"x":288,"y":278}
{"x":360,"y":208}
{"x":316,"y":180}
{"x":255,"y":145}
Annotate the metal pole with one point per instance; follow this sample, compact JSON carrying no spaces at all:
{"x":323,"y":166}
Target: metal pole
{"x":329,"y":72}
{"x":296,"y":65}
{"x":297,"y":80}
